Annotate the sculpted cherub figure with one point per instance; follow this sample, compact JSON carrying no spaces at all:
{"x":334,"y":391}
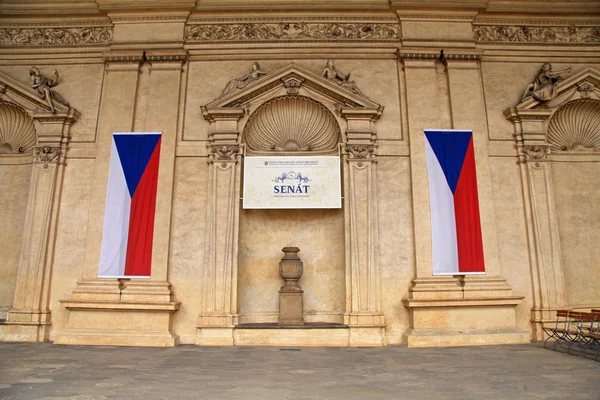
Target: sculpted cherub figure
{"x":42,"y":85}
{"x":544,"y":86}
{"x":243,"y":81}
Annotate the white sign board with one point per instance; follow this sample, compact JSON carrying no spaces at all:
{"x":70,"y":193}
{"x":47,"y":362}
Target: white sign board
{"x":292,"y":182}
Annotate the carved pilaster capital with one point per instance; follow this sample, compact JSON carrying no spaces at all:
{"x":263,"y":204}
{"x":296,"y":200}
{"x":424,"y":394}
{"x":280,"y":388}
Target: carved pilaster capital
{"x":536,"y":153}
{"x":361,"y":152}
{"x":46,"y":155}
{"x":224,"y":152}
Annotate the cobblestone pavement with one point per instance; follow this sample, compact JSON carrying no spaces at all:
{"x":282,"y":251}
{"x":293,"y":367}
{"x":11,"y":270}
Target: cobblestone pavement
{"x":52,"y":372}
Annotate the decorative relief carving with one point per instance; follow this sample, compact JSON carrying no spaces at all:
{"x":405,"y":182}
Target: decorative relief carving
{"x":45,"y":154}
{"x":17,"y":132}
{"x":292,"y":123}
{"x":292,"y":84}
{"x":536,"y":34}
{"x":55,"y":36}
{"x":536,"y":152}
{"x":575,"y":126}
{"x":360,"y":151}
{"x":225,"y":151}
{"x":300,"y":31}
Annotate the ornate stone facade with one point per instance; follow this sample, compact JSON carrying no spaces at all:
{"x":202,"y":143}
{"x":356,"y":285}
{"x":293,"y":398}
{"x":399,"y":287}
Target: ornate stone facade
{"x":223,"y":81}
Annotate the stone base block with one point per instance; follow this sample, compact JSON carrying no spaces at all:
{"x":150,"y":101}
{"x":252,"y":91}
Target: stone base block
{"x":214,"y":336}
{"x":119,"y":323}
{"x":367,"y":336}
{"x":33,"y":332}
{"x":332,"y":337}
{"x":117,"y":338}
{"x":466,"y":337}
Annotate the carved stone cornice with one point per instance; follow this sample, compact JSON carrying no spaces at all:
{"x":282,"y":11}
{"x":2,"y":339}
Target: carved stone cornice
{"x":292,"y":31}
{"x":128,"y":57}
{"x":46,"y":155}
{"x":225,"y":152}
{"x":64,"y":36}
{"x":536,"y":34}
{"x":162,"y":56}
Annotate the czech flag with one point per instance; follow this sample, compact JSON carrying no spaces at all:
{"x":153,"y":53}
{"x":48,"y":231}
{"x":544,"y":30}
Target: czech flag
{"x":456,"y":243}
{"x":130,"y":205}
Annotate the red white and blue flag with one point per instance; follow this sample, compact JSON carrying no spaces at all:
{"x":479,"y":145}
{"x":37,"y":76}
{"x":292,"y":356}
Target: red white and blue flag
{"x":130,"y":205}
{"x":455,"y":224}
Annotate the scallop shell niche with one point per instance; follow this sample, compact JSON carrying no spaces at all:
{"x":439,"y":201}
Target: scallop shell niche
{"x":576,"y":126}
{"x":17,"y":133}
{"x":292,"y":123}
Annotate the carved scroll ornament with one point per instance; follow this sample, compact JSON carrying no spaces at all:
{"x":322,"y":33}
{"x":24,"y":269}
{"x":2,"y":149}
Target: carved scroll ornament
{"x":300,"y":31}
{"x":55,"y":36}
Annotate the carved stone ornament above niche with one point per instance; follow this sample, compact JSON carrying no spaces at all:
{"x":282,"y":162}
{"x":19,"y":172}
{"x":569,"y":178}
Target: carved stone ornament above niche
{"x":292,"y":123}
{"x":294,"y":31}
{"x":17,"y":132}
{"x":535,"y":34}
{"x":55,"y":36}
{"x":575,"y":126}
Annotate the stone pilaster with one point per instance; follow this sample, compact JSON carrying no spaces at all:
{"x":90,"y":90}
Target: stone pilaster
{"x":29,"y":318}
{"x":130,"y":311}
{"x":540,"y":216}
{"x":363,"y":277}
{"x":218,"y":306}
{"x":453,"y":310}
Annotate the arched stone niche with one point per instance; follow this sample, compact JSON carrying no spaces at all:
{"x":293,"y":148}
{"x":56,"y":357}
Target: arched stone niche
{"x":558,"y":149}
{"x":244,"y":122}
{"x":33,"y":143}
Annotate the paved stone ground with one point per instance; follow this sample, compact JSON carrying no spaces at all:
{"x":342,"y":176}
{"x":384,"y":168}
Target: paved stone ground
{"x":52,"y":372}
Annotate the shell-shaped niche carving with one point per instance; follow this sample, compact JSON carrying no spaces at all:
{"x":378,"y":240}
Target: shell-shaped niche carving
{"x":17,"y":133}
{"x":576,"y":126}
{"x":292,"y":123}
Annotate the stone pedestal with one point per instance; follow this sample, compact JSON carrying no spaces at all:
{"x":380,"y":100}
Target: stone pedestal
{"x":290,"y":294}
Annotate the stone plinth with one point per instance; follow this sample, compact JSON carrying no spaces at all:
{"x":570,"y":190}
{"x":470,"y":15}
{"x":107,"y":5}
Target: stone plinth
{"x":462,"y":311}
{"x":290,"y":294}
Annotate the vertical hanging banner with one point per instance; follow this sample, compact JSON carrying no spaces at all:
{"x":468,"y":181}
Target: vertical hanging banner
{"x":456,"y":242}
{"x":130,"y":206}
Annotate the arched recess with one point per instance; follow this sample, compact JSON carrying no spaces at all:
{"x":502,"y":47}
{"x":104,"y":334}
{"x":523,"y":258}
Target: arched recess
{"x":17,"y":138}
{"x":234,"y":116}
{"x":291,"y":125}
{"x":559,"y":155}
{"x":34,"y":138}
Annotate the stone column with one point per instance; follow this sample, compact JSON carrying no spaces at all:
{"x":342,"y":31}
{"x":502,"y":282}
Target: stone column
{"x":460,"y":309}
{"x":100,"y":309}
{"x":29,"y":318}
{"x":540,"y":215}
{"x":363,"y":288}
{"x":218,"y":306}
